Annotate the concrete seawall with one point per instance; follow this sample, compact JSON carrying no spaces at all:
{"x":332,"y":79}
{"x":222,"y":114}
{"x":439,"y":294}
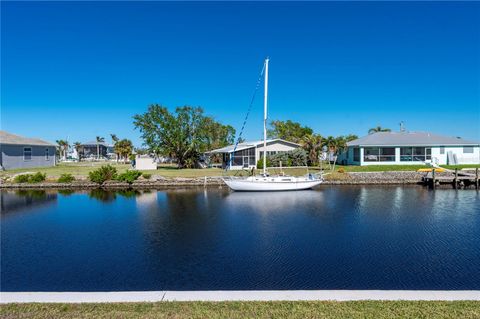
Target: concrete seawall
{"x":237,"y":295}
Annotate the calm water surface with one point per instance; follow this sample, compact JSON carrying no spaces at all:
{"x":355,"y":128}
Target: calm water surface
{"x":358,"y":237}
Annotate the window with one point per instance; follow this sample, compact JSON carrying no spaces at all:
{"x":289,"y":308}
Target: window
{"x":356,"y":154}
{"x":379,"y":154}
{"x":244,"y":157}
{"x":442,"y":149}
{"x":415,"y":154}
{"x":428,"y":152}
{"x":468,"y":149}
{"x":47,"y":154}
{"x":27,"y":153}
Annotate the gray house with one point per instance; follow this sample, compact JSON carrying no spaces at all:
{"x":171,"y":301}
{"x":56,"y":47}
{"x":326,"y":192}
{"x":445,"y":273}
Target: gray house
{"x":23,"y":152}
{"x":401,"y":148}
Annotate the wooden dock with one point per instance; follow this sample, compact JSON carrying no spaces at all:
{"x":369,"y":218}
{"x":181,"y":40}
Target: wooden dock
{"x":456,"y":178}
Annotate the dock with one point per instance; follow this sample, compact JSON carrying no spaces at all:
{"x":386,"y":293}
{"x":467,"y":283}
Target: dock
{"x":457,"y":179}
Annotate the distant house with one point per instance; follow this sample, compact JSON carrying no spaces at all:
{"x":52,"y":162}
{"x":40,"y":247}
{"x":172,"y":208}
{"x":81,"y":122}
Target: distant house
{"x":247,"y":154}
{"x":23,"y":152}
{"x":387,"y":148}
{"x":89,"y":150}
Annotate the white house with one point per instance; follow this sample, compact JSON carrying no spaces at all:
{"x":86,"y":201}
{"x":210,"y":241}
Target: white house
{"x":387,"y":148}
{"x":247,"y":154}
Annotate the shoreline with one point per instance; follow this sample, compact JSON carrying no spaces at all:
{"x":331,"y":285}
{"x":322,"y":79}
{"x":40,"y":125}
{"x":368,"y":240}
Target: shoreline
{"x":239,"y":295}
{"x":352,"y":178}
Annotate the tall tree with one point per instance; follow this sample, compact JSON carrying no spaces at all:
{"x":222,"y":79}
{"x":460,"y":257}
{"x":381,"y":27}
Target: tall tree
{"x":378,"y":129}
{"x":77,"y":146}
{"x":99,"y":140}
{"x":183,"y":135}
{"x":288,"y":130}
{"x":350,"y":137}
{"x":124,"y":149}
{"x":115,"y":139}
{"x":312,"y":144}
{"x":332,"y":143}
{"x":63,"y":147}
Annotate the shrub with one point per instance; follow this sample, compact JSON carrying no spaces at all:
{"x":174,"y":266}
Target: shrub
{"x":21,"y":178}
{"x":341,"y":170}
{"x":146,"y":175}
{"x":66,"y":178}
{"x":297,"y":157}
{"x":104,"y":173}
{"x":129,"y":176}
{"x":37,"y":177}
{"x":260,"y":163}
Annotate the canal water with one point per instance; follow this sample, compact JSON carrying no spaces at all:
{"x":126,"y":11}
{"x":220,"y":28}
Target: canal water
{"x":338,"y":237}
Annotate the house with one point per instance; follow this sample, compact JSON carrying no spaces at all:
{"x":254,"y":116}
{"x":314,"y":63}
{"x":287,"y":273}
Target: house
{"x":387,"y":148}
{"x":89,"y":150}
{"x":24,"y":152}
{"x":247,"y":154}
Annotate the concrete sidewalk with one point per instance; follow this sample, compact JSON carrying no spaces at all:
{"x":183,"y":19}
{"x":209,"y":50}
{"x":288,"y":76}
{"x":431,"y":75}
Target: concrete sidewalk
{"x":238,"y":295}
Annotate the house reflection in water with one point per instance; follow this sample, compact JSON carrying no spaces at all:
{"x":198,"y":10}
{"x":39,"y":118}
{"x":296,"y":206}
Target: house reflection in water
{"x":18,"y":201}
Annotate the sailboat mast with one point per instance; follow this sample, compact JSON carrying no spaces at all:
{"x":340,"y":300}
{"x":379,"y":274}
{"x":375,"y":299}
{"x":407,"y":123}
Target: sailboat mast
{"x":265,"y":98}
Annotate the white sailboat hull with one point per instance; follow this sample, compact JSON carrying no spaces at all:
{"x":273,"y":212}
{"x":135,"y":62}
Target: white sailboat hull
{"x":269,"y":184}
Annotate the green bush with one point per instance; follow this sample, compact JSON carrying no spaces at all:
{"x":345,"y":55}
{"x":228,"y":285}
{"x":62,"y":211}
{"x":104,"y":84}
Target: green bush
{"x":297,"y":157}
{"x":260,"y":163}
{"x":30,"y":178}
{"x":66,"y":178}
{"x":22,"y":178}
{"x":37,"y":177}
{"x":129,"y":176}
{"x":103,"y":174}
{"x":146,"y":175}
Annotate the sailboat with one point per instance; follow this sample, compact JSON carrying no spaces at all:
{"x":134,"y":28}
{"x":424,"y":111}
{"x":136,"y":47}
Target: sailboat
{"x":265,"y":182}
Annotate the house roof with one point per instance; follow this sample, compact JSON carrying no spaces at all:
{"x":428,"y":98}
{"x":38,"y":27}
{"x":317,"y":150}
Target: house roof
{"x":94,"y":143}
{"x":246,"y":145}
{"x":9,"y":138}
{"x":408,"y":139}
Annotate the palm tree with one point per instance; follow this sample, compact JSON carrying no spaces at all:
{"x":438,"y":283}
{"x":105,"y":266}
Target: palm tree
{"x":331,"y":143}
{"x":350,"y":137}
{"x":115,"y":140}
{"x":378,"y":129}
{"x":124,"y":148}
{"x":99,"y":140}
{"x":63,"y":147}
{"x":312,"y":143}
{"x":77,"y":146}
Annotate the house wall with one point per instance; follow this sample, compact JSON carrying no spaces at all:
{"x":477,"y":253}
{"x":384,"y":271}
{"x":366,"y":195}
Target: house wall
{"x":274,"y":147}
{"x":12,"y":156}
{"x":91,"y":151}
{"x":438,"y":157}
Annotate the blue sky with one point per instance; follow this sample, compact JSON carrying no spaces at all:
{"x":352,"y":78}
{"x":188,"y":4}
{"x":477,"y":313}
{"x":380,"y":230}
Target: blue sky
{"x":80,"y":69}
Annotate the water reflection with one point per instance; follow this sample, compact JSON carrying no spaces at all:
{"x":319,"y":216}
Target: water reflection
{"x":339,"y":237}
{"x":102,"y":195}
{"x":272,"y":202}
{"x":21,"y":200}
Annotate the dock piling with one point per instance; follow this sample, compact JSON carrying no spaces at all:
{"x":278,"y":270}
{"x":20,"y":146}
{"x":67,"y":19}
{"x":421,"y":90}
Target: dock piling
{"x":455,"y":180}
{"x":476,"y":178}
{"x":433,"y":178}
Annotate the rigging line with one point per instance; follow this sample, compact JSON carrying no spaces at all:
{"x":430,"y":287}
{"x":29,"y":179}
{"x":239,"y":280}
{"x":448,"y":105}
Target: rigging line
{"x":257,"y":86}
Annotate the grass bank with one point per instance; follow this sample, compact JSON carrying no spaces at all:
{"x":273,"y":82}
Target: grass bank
{"x":277,"y":309}
{"x":81,"y":170}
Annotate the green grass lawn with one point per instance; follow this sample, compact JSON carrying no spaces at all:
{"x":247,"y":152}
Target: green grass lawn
{"x":171,"y":171}
{"x":278,"y":309}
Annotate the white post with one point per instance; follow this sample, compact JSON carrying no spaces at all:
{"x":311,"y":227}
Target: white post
{"x":265,"y":97}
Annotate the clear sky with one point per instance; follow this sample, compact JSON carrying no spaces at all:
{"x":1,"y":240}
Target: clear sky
{"x":80,"y":69}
